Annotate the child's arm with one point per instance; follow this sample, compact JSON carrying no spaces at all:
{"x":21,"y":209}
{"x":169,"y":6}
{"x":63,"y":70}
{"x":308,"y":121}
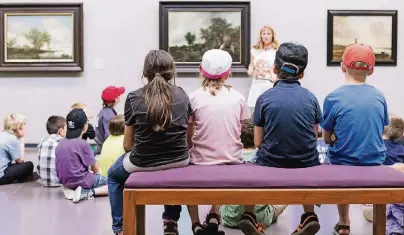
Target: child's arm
{"x":96,"y":168}
{"x":329,"y":138}
{"x":128,"y":141}
{"x":258,"y":136}
{"x":190,"y":134}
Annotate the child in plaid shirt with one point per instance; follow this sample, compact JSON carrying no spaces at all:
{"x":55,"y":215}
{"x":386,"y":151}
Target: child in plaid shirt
{"x":56,"y":127}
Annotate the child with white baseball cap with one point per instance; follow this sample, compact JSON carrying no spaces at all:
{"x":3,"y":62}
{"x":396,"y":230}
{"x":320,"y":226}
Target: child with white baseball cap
{"x":214,"y":128}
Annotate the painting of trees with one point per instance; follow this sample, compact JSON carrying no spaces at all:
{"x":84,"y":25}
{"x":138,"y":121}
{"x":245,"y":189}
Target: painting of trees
{"x":38,"y":38}
{"x":219,"y":34}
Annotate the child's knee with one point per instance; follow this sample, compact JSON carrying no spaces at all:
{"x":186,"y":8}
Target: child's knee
{"x":29,"y":166}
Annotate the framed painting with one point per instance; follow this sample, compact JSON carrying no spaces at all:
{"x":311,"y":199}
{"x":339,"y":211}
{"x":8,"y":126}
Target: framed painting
{"x":220,"y":25}
{"x":41,"y":37}
{"x":376,"y":28}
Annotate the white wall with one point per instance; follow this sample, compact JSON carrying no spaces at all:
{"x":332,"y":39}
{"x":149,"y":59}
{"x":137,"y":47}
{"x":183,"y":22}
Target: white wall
{"x":120,"y":33}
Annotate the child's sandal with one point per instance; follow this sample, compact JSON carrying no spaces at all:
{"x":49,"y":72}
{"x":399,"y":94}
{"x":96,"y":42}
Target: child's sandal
{"x":201,"y":231}
{"x":212,"y":227}
{"x":338,"y":228}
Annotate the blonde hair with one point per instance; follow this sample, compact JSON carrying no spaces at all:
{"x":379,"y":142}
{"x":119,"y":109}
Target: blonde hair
{"x":13,"y":122}
{"x":79,"y":106}
{"x":395,"y":130}
{"x":260,"y":44}
{"x":358,"y":72}
{"x":213,"y":84}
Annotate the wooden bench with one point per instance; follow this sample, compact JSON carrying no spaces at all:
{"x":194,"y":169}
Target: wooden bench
{"x":249,"y":184}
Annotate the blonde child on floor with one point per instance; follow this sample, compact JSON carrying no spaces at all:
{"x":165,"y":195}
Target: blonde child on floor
{"x":215,"y":126}
{"x":13,"y":167}
{"x":112,"y":148}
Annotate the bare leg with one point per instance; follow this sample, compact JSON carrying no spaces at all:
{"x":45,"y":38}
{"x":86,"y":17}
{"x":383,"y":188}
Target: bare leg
{"x":194,"y":214}
{"x":343,"y":212}
{"x":215,"y":209}
{"x":101,"y":191}
{"x":308,"y":208}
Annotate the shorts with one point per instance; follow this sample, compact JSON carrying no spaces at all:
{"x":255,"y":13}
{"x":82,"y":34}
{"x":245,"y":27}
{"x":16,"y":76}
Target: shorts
{"x":100,"y":181}
{"x":231,"y":214}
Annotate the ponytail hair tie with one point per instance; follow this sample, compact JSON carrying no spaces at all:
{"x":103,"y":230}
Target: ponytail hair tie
{"x":157,"y":75}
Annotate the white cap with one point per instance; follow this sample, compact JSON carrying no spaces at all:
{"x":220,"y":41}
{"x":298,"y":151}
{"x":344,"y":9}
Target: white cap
{"x":215,"y":64}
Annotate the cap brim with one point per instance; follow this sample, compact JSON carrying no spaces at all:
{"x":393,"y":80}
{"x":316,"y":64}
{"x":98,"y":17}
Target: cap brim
{"x":121,"y":90}
{"x":72,"y":134}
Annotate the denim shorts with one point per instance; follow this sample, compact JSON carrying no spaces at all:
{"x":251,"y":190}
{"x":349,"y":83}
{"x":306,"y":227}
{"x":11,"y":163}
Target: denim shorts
{"x":100,"y":181}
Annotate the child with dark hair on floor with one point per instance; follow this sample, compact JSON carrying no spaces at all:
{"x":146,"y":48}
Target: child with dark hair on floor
{"x":286,"y":122}
{"x":74,"y":158}
{"x":56,"y":128}
{"x":110,"y":99}
{"x":112,"y":148}
{"x":265,"y":214}
{"x":12,"y":150}
{"x":394,"y":158}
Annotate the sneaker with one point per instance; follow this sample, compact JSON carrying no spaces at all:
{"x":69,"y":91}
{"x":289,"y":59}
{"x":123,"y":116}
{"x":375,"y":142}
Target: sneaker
{"x":249,"y":226}
{"x":81,"y":194}
{"x":69,"y":193}
{"x":170,"y":227}
{"x":309,"y":225}
{"x":119,"y":233}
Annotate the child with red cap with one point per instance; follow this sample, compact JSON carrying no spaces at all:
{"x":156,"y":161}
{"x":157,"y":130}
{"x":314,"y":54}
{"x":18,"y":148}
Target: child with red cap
{"x":354,"y":119}
{"x":110,"y":97}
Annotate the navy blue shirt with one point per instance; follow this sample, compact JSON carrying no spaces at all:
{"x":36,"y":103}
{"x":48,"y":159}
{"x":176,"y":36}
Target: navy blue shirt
{"x":357,"y":115}
{"x":394,"y":153}
{"x":288,"y":113}
{"x":102,"y":126}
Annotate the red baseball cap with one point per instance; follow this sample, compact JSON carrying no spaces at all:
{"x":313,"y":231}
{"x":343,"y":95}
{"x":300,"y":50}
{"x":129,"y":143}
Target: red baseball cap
{"x":110,"y":93}
{"x":359,"y":53}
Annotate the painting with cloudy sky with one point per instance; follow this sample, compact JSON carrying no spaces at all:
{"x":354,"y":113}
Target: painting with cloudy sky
{"x":192,"y":33}
{"x":39,"y":37}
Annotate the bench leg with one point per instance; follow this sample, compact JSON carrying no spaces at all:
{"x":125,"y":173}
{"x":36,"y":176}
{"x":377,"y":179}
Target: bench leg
{"x":379,"y":219}
{"x":140,"y":220}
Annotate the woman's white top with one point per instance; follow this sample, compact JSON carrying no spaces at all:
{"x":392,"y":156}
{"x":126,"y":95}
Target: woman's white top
{"x":263,"y":73}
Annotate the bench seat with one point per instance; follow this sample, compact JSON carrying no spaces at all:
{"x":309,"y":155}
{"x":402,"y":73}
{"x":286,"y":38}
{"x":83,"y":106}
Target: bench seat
{"x":253,"y":176}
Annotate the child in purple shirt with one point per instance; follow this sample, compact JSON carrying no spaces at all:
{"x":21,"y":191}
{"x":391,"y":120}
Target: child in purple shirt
{"x":74,"y":158}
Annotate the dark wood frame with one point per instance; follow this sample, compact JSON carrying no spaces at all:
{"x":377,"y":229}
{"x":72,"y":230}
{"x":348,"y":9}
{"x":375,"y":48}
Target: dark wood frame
{"x":244,"y":7}
{"x":76,"y":66}
{"x":134,"y":200}
{"x":330,"y":32}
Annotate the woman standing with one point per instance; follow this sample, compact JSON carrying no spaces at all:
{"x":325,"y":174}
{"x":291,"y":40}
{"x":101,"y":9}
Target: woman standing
{"x":262,"y":63}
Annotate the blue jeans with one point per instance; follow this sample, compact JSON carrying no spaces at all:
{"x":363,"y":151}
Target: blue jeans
{"x":117,"y":175}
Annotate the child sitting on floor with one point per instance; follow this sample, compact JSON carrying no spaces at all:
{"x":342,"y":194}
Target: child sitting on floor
{"x":112,"y":148}
{"x":73,"y":159}
{"x":90,"y":133}
{"x":56,"y":127}
{"x":394,"y":157}
{"x":110,"y":98}
{"x":12,"y":150}
{"x":265,"y":214}
{"x":286,"y":122}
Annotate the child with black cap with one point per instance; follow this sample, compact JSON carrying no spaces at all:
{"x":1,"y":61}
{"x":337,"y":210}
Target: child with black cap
{"x":286,"y":123}
{"x":74,"y":158}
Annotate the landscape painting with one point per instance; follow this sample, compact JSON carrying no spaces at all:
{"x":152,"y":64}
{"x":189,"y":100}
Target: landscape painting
{"x":376,"y":29}
{"x":39,"y":38}
{"x":189,"y":29}
{"x":209,"y":30}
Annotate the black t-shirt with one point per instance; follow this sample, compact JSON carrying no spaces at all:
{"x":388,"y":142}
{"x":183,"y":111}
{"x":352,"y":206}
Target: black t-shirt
{"x":158,"y":148}
{"x":288,"y":113}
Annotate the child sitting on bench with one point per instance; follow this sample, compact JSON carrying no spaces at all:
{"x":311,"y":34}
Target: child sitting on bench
{"x":155,"y":135}
{"x":286,"y":121}
{"x":356,"y":115}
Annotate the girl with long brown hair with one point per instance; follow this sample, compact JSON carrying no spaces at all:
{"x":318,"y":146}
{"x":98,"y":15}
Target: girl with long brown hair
{"x":156,"y":116}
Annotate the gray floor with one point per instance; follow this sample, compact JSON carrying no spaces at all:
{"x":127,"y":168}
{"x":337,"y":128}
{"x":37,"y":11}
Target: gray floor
{"x":31,"y":209}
